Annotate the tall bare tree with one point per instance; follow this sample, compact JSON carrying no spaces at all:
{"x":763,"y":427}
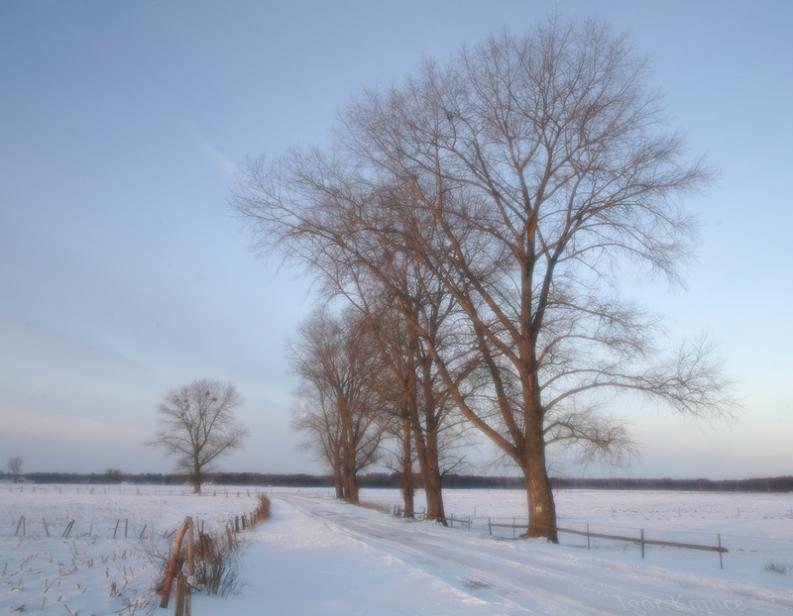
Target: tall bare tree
{"x":526,"y":175}
{"x":337,"y":364}
{"x":15,"y":468}
{"x":198,"y":425}
{"x":317,"y":417}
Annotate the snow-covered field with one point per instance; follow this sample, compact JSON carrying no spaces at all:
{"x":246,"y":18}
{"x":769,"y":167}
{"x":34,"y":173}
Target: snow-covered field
{"x":756,"y":528}
{"x":90,"y":572}
{"x":319,"y":556}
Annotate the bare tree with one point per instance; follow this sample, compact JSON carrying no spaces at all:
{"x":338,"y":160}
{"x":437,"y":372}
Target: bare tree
{"x":198,"y":425}
{"x":317,"y":417}
{"x":526,"y":175}
{"x":338,"y":366}
{"x":15,"y":467}
{"x":421,"y":404}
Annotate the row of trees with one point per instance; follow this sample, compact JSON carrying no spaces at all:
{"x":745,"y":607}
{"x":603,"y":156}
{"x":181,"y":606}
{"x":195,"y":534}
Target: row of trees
{"x":366,"y":379}
{"x":476,"y":222}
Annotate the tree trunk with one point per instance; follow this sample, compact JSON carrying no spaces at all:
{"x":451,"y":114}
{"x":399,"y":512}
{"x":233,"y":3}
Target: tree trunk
{"x":337,"y":481}
{"x":351,"y":486}
{"x":349,"y":477}
{"x":406,"y":476}
{"x":430,"y":482}
{"x":433,"y":483}
{"x":431,"y":469}
{"x":542,"y":509}
{"x":196,"y":478}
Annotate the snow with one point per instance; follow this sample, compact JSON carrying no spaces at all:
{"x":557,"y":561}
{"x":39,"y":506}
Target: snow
{"x":756,"y":528}
{"x":319,"y":556}
{"x":91,"y":572}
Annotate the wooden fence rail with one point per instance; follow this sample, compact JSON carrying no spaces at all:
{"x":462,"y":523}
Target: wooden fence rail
{"x":641,"y":539}
{"x":421,"y":516}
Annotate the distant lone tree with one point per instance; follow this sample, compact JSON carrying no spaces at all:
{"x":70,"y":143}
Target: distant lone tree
{"x":15,"y":468}
{"x":198,"y":425}
{"x":113,"y":475}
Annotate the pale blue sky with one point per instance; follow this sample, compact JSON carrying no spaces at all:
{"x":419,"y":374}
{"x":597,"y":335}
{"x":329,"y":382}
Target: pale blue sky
{"x":123,"y":272}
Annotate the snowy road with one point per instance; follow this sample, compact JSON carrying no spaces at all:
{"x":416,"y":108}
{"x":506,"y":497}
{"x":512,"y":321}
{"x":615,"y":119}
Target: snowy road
{"x":318,"y":556}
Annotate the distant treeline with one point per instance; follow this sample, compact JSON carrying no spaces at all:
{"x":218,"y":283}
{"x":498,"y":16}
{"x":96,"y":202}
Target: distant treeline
{"x":385,"y":480}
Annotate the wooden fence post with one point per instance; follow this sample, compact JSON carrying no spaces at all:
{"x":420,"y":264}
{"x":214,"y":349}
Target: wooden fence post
{"x":721,"y":554}
{"x":19,"y":526}
{"x":642,"y":531}
{"x":587,"y":536}
{"x":170,"y":571}
{"x":489,"y":527}
{"x":180,"y":595}
{"x":190,"y":540}
{"x":46,"y":528}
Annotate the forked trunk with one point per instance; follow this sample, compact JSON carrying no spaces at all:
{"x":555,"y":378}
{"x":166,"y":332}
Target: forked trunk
{"x":430,"y":479}
{"x":433,"y":485}
{"x":427,"y":447}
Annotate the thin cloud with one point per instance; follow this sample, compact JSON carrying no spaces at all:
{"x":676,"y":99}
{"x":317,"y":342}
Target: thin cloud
{"x":227,"y":167}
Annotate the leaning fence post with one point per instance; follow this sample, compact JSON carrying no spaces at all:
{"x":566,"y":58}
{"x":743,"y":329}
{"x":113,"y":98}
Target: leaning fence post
{"x":115,"y":530}
{"x":642,"y":532}
{"x":46,"y":528}
{"x":587,"y":536}
{"x":126,"y":527}
{"x":190,"y":540}
{"x":489,"y":527}
{"x":721,"y":553}
{"x":176,"y":548}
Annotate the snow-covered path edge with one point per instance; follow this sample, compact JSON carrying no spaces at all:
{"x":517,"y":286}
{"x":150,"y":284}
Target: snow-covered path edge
{"x":319,"y":556}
